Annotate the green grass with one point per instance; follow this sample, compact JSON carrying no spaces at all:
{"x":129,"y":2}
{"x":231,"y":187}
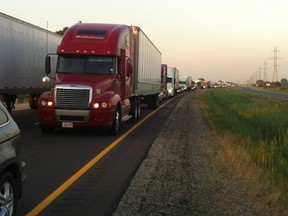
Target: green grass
{"x":276,"y":89}
{"x":23,"y":98}
{"x":261,"y":122}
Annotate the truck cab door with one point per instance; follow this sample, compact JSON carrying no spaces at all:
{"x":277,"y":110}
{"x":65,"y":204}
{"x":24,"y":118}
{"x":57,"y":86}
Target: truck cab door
{"x":129,"y":78}
{"x":124,"y":74}
{"x":118,"y":79}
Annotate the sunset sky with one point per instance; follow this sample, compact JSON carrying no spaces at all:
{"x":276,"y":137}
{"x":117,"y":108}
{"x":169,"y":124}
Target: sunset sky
{"x":225,"y":40}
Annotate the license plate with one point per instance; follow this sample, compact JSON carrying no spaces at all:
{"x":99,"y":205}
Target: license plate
{"x":67,"y":124}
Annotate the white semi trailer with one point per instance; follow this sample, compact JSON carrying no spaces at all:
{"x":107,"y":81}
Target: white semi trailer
{"x":147,"y":61}
{"x":185,"y":83}
{"x":23,"y":48}
{"x":172,"y":81}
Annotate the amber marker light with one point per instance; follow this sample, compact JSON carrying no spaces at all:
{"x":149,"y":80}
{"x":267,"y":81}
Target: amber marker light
{"x":110,"y":105}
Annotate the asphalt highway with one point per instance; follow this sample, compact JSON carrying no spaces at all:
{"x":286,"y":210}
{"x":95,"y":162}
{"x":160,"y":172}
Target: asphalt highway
{"x":83,"y":172}
{"x":265,"y":93}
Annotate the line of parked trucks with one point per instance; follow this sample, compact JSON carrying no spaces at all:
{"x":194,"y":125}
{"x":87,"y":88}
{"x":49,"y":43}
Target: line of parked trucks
{"x":97,"y":75}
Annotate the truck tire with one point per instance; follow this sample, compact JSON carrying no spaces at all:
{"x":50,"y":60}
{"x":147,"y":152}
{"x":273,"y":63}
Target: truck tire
{"x":33,"y":99}
{"x":138,"y":108}
{"x":155,"y":101}
{"x":10,"y":102}
{"x":135,"y":109}
{"x":116,"y":122}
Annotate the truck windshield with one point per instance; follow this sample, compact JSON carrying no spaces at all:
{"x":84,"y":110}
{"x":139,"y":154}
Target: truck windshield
{"x":169,"y":80}
{"x":83,"y":64}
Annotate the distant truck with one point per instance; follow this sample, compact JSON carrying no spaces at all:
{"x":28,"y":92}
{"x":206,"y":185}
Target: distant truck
{"x":185,"y":83}
{"x":164,"y":92}
{"x":104,"y":72}
{"x":172,"y":81}
{"x":23,"y":48}
{"x":200,"y":83}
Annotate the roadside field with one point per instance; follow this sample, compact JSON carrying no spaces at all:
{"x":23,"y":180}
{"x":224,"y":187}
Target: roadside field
{"x":257,"y":125}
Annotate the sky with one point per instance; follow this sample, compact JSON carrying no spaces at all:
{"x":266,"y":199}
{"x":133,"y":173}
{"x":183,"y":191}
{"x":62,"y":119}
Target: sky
{"x":226,"y":40}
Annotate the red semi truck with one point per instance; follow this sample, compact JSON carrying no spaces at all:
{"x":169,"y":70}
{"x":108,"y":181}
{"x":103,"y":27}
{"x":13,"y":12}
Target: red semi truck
{"x":103,"y":73}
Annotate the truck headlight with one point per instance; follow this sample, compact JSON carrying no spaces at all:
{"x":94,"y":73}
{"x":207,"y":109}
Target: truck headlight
{"x":46,"y":103}
{"x":104,"y":105}
{"x":43,"y":103}
{"x":96,"y":105}
{"x":49,"y":103}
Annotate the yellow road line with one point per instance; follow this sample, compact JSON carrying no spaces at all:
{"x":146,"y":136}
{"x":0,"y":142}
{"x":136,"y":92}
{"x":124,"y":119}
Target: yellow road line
{"x":41,"y":206}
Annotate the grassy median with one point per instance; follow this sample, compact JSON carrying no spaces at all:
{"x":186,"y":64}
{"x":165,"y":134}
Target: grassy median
{"x":259,"y":125}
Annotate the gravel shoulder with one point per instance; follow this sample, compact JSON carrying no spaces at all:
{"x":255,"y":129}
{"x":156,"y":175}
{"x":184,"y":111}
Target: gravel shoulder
{"x":183,"y":175}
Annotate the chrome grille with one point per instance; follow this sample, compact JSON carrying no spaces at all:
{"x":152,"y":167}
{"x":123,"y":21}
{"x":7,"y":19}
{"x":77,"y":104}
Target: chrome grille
{"x":73,"y":97}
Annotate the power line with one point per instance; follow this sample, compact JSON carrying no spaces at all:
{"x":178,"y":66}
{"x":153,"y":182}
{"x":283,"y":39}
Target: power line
{"x":275,"y":65}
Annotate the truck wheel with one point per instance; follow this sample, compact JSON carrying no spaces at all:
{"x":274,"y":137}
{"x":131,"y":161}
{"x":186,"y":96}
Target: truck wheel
{"x":116,"y":122}
{"x":10,"y":101}
{"x":135,"y":109}
{"x":155,"y":101}
{"x":138,"y":108}
{"x":33,"y":99}
{"x":8,"y":194}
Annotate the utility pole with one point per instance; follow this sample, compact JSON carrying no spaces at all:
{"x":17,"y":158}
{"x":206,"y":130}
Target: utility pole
{"x":264,"y":72}
{"x":259,"y":73}
{"x":255,"y":76}
{"x":275,"y":65}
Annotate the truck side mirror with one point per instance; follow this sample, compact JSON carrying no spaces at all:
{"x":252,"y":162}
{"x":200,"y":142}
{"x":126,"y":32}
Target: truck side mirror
{"x":46,"y":79}
{"x":47,"y":64}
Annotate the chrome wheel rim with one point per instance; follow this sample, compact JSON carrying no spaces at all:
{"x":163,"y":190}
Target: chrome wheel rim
{"x":117,"y":119}
{"x":6,"y":200}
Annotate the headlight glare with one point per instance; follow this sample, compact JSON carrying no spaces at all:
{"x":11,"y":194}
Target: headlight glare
{"x":49,"y":103}
{"x":96,"y":105}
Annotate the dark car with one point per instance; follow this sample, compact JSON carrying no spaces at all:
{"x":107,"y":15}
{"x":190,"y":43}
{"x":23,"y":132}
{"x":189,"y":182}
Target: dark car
{"x":12,"y":167}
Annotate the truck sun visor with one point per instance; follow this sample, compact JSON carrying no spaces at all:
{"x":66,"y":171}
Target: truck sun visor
{"x":91,"y":32}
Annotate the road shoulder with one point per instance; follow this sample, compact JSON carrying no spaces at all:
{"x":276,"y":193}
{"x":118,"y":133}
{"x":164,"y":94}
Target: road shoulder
{"x":182,"y":174}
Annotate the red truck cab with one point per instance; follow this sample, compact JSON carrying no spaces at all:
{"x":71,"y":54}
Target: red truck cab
{"x":163,"y":87}
{"x":93,"y":80}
